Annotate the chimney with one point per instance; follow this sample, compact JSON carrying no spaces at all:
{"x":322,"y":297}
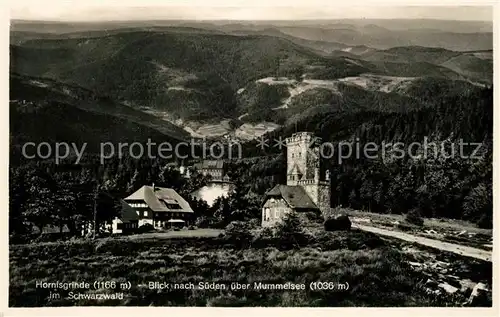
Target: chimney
{"x":327,"y":175}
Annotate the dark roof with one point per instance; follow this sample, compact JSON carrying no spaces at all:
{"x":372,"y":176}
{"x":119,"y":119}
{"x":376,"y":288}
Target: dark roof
{"x":295,"y":196}
{"x":128,"y":213}
{"x":154,"y":198}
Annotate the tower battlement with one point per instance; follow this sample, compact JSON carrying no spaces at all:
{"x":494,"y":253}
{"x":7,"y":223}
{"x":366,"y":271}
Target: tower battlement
{"x":301,"y":137}
{"x":311,"y":182}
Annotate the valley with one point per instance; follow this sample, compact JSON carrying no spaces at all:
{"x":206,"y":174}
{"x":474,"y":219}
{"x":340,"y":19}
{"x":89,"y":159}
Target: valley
{"x":197,"y":76}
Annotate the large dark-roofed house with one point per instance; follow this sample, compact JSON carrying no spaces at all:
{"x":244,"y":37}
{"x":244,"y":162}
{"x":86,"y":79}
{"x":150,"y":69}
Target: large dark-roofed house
{"x":157,"y":206}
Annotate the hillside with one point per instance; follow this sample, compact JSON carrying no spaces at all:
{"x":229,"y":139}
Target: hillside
{"x":287,"y":100}
{"x":387,"y":39}
{"x":194,"y":79}
{"x":189,"y":74}
{"x":472,"y":67}
{"x":416,"y":60}
{"x":408,"y":54}
{"x":45,"y":111}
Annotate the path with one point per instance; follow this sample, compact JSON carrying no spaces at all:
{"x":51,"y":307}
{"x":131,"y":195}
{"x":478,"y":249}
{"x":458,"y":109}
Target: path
{"x":440,"y":245}
{"x":197,"y":233}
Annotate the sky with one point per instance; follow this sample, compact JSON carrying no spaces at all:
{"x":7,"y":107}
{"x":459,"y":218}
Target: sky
{"x":96,"y":10}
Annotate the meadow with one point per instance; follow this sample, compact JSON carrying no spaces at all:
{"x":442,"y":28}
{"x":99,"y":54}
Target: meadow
{"x":377,"y":273}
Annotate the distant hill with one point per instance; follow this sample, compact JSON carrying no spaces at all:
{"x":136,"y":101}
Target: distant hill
{"x":383,"y":40}
{"x":409,"y":54}
{"x":192,"y":75}
{"x":470,"y":66}
{"x":197,"y":78}
{"x":418,"y":60}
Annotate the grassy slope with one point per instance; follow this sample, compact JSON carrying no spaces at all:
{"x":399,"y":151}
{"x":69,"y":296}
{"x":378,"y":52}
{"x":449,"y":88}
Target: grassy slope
{"x":377,"y":276}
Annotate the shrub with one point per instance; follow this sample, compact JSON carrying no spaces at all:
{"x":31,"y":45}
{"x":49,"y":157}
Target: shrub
{"x":204,"y":222}
{"x":415,"y":217}
{"x":145,"y":228}
{"x":264,"y":237}
{"x":340,"y":222}
{"x":238,"y":233}
{"x":254,"y":223}
{"x":485,"y":222}
{"x":290,"y":233}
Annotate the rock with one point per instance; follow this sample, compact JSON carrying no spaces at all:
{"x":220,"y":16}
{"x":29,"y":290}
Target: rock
{"x":358,"y":219}
{"x":431,"y":283}
{"x":414,"y":263}
{"x":340,"y":222}
{"x":479,"y":296}
{"x":462,"y":232}
{"x":466,"y":285}
{"x":448,"y":288}
{"x":396,"y":222}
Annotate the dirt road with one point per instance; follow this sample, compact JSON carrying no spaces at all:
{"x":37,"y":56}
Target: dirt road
{"x":445,"y":246}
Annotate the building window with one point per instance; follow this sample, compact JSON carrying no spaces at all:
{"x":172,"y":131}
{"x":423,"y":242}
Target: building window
{"x":267,"y":215}
{"x":145,"y":213}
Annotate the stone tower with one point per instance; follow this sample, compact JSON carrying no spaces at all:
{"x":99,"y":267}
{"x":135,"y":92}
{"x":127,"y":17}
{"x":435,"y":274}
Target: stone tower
{"x":304,"y":169}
